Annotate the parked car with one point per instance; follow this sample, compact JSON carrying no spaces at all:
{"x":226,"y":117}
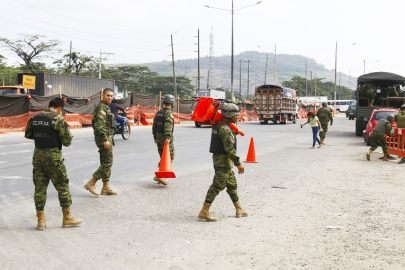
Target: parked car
{"x":351,"y":112}
{"x":376,"y":116}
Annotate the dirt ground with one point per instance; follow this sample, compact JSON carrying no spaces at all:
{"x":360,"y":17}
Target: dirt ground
{"x":324,"y":208}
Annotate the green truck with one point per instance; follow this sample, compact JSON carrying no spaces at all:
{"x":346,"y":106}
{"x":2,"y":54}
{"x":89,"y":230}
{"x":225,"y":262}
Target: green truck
{"x":382,"y":87}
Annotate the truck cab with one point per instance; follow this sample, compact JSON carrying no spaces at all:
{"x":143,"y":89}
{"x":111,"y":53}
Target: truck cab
{"x":12,"y":90}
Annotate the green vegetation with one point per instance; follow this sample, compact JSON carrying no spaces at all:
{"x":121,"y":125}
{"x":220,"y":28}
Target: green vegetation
{"x":322,"y":88}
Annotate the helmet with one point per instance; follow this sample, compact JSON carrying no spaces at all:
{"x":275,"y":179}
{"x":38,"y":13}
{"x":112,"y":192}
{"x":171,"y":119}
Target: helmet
{"x":402,"y":107}
{"x":324,"y":104}
{"x":390,"y":117}
{"x":168,"y":99}
{"x":229,"y":110}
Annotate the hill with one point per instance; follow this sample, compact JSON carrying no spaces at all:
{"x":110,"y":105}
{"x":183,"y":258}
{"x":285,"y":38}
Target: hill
{"x":286,"y":67}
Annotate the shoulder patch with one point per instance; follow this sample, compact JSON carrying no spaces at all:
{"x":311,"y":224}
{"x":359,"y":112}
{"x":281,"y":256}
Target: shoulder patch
{"x":102,"y":113}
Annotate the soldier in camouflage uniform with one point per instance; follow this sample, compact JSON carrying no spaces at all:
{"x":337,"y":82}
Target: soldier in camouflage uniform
{"x":324,"y":116}
{"x":223,"y":149}
{"x":370,"y":94}
{"x":162,"y":130}
{"x":103,"y":124}
{"x":400,"y":119}
{"x":377,"y":136}
{"x":50,"y":131}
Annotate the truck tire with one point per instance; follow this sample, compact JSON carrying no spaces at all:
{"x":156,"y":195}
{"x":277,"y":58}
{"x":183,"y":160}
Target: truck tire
{"x":197,"y":124}
{"x":265,"y":122}
{"x":359,"y":126}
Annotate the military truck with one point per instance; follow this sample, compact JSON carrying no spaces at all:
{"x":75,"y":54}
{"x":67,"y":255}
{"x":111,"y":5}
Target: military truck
{"x":383,"y":85}
{"x":275,"y":103}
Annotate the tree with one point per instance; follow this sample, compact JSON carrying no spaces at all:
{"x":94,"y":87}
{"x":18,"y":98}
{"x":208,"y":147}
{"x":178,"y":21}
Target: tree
{"x":165,"y":85}
{"x":74,"y":62}
{"x":136,"y":79}
{"x":322,"y":88}
{"x":31,"y":48}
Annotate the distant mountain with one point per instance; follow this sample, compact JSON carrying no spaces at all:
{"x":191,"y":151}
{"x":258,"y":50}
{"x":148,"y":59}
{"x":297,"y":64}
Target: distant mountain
{"x":286,"y":67}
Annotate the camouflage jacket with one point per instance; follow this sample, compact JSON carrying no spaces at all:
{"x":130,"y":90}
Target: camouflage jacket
{"x":400,"y":119}
{"x":51,"y":154}
{"x":324,"y":115}
{"x":168,"y":126}
{"x":102,"y":130}
{"x":227,"y":136}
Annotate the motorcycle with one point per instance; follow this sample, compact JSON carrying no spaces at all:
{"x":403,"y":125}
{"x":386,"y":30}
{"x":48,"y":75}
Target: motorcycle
{"x":127,"y":128}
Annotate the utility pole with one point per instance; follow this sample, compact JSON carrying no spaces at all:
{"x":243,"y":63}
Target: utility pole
{"x":275,"y":57}
{"x":198,"y":51}
{"x":174,"y":72}
{"x":315,"y":91}
{"x":306,"y":81}
{"x":265,"y":73}
{"x":99,"y":64}
{"x":197,"y":81}
{"x":240,"y":78}
{"x":70,"y":53}
{"x":340,"y":90}
{"x":247,"y":93}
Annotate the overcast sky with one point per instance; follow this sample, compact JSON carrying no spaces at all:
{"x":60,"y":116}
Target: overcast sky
{"x":138,"y":31}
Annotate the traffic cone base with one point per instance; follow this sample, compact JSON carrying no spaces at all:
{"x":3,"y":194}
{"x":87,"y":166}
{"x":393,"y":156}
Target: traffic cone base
{"x":165,"y":168}
{"x":165,"y":174}
{"x":251,"y":156}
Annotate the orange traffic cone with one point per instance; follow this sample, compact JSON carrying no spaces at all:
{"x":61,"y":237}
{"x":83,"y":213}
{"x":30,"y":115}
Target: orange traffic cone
{"x":165,"y":168}
{"x":251,"y":156}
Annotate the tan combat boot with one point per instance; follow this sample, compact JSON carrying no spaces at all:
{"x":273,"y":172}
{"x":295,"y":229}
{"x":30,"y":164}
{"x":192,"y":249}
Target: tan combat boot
{"x":160,"y":180}
{"x":91,"y":186}
{"x":106,"y":190}
{"x":322,"y":141}
{"x":385,"y":157}
{"x":68,"y":220}
{"x":41,"y":220}
{"x":205,"y":213}
{"x":239,"y":210}
{"x":368,"y":155}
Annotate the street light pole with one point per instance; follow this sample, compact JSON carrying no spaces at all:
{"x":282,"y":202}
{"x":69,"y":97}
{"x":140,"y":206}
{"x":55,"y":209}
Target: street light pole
{"x":232,"y":94}
{"x":232,"y":43}
{"x":334,"y":107}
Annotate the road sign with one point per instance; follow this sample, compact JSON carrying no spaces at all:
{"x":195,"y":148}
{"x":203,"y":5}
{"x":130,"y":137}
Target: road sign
{"x":29,"y":82}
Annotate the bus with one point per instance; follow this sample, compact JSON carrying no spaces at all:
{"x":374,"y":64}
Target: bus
{"x":341,"y":105}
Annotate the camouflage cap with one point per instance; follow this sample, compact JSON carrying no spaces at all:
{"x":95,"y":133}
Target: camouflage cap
{"x":229,"y":110}
{"x":324,"y":104}
{"x":402,"y":107}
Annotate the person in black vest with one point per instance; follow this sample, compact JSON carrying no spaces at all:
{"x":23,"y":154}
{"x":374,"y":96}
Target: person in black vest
{"x":162,"y":130}
{"x":223,"y":149}
{"x":115,"y":107}
{"x":50,"y":131}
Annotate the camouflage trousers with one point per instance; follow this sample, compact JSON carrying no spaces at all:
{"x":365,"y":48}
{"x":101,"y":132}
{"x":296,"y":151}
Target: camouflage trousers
{"x":106,"y":162}
{"x":324,"y":130}
{"x":56,"y":172}
{"x":376,"y":139}
{"x":223,"y":178}
{"x":160,"y":142}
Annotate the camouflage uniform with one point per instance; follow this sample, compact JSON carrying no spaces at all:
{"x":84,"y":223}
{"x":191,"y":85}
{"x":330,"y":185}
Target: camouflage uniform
{"x":224,"y":176}
{"x":324,"y":116}
{"x":167,"y":133}
{"x":370,"y":93}
{"x":103,"y":132}
{"x":377,"y":138}
{"x":48,"y":164}
{"x":400,"y":119}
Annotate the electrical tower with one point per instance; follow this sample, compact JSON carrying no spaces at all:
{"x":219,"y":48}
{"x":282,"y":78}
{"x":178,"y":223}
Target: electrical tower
{"x":211,"y":72}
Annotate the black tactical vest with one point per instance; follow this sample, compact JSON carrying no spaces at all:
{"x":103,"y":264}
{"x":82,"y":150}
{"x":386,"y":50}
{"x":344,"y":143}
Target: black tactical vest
{"x":216,"y":146}
{"x":44,"y":135}
{"x":160,"y":120}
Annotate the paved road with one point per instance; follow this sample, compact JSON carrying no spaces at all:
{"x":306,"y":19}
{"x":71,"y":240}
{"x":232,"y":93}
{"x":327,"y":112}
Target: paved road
{"x":293,"y":194}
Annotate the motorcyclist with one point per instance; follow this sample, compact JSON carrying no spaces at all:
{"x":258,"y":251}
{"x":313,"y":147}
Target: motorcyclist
{"x":115,"y":107}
